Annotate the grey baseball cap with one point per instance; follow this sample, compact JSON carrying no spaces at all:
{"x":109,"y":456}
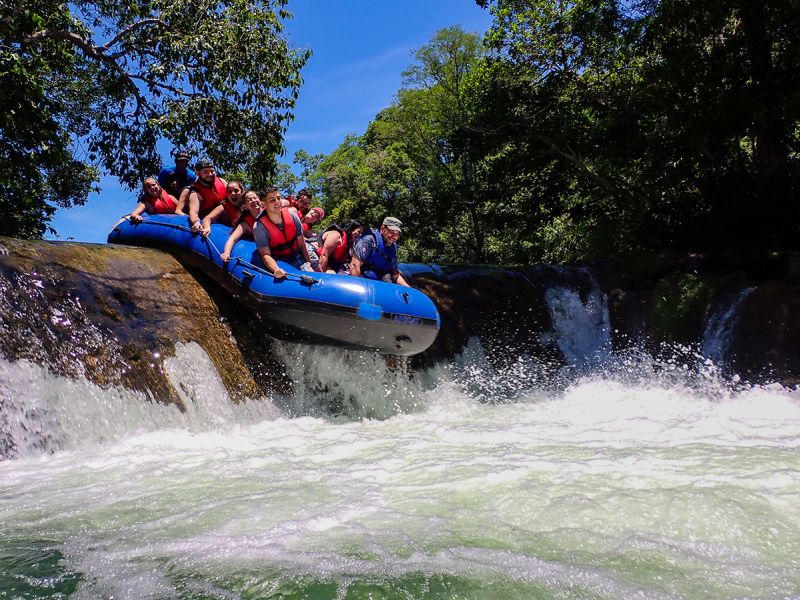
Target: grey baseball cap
{"x":203,"y":163}
{"x":393,"y":224}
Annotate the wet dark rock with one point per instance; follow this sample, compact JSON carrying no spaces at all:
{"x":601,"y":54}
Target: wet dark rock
{"x":503,"y":308}
{"x":111,"y":315}
{"x":765,"y":345}
{"x":670,"y":300}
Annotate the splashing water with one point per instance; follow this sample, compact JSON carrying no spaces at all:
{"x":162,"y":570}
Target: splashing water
{"x":640,"y":480}
{"x":625,"y":477}
{"x":356,"y":384}
{"x":581,"y":326}
{"x":45,"y":412}
{"x":720,"y":325}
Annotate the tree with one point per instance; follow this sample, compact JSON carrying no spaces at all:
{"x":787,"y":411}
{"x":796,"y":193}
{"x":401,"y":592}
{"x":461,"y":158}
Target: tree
{"x":727,"y":88}
{"x":414,"y":161}
{"x":285,"y":179}
{"x":655,"y":125}
{"x":309,"y":165}
{"x":438,"y":91}
{"x":91,"y":86}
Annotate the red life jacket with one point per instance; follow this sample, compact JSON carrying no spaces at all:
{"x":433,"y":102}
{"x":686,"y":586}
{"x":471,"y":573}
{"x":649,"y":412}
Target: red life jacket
{"x":210,"y":196}
{"x":339,"y":256}
{"x":164,"y":204}
{"x":233,"y":212}
{"x":248,"y":218}
{"x":281,"y":243}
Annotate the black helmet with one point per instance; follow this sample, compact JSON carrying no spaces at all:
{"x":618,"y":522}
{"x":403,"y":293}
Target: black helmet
{"x":203,"y":163}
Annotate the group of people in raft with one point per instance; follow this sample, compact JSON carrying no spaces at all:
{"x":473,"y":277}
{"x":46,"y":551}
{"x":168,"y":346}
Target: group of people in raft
{"x":283,"y":228}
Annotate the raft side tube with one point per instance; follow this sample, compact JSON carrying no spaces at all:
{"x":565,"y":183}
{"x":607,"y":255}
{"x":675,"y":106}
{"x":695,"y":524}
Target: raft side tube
{"x":320,"y":307}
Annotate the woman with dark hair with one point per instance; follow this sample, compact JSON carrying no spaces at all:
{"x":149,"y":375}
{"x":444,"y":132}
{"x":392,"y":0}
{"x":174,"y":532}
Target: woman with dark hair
{"x":229,"y":212}
{"x":335,"y":244}
{"x":311,"y":218}
{"x":252,"y":207}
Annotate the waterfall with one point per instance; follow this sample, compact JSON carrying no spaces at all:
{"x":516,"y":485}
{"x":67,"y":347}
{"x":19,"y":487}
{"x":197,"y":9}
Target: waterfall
{"x":719,"y":326}
{"x":581,"y":325}
{"x":351,"y":383}
{"x":44,"y":412}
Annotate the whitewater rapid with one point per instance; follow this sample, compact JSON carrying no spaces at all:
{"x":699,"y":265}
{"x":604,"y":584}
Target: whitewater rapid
{"x":642,"y":481}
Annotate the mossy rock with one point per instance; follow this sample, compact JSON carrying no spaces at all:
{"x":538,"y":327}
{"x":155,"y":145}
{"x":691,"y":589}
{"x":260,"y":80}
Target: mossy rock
{"x":681,"y":301}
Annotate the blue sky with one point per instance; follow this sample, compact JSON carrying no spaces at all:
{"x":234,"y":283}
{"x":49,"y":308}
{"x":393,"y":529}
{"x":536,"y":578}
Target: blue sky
{"x":360,"y":48}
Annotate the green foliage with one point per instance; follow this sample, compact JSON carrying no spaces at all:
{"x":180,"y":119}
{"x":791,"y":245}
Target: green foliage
{"x":241,"y":176}
{"x":285,"y":179}
{"x":680,"y":302}
{"x":587,"y":129}
{"x":413,"y":161}
{"x":91,"y":86}
{"x":661,"y":125}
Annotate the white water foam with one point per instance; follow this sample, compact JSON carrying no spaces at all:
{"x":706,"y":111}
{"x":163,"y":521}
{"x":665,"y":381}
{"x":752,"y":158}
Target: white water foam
{"x":577,"y":491}
{"x":351,"y":383}
{"x":720,"y":325}
{"x":581,"y":326}
{"x":46,"y":412}
{"x":652,"y":486}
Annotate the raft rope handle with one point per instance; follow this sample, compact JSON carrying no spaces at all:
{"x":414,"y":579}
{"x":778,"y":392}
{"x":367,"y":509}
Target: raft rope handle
{"x":303,"y":278}
{"x":307,"y":279}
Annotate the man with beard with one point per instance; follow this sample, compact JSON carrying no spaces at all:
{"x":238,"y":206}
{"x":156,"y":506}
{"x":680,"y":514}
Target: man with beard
{"x":206,"y":193}
{"x":375,"y":253}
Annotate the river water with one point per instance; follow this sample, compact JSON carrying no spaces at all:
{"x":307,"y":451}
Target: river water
{"x":630,"y":479}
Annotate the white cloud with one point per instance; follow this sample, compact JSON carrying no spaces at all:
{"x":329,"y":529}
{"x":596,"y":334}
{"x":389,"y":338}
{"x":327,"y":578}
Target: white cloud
{"x":377,"y":62}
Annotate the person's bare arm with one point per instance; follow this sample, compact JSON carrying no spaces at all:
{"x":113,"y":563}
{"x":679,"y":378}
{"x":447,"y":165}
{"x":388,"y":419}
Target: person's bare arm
{"x":194,"y":211}
{"x":331,"y":240}
{"x":136,"y":215}
{"x":205,"y":229}
{"x":271,"y":263}
{"x":183,"y":200}
{"x":400,"y":280}
{"x":234,"y":237}
{"x":355,"y":266}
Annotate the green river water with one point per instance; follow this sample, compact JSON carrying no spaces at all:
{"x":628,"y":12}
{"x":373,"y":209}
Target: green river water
{"x":627,"y":483}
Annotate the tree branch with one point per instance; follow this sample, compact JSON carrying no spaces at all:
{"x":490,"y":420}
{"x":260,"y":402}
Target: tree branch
{"x":130,"y":28}
{"x":164,"y":86}
{"x":94,"y":52}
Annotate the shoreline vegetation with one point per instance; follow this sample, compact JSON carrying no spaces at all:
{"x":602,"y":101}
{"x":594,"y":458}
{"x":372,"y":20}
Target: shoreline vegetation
{"x":570,"y":132}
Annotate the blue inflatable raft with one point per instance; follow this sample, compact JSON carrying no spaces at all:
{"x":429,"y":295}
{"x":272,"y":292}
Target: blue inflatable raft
{"x":323,"y":308}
